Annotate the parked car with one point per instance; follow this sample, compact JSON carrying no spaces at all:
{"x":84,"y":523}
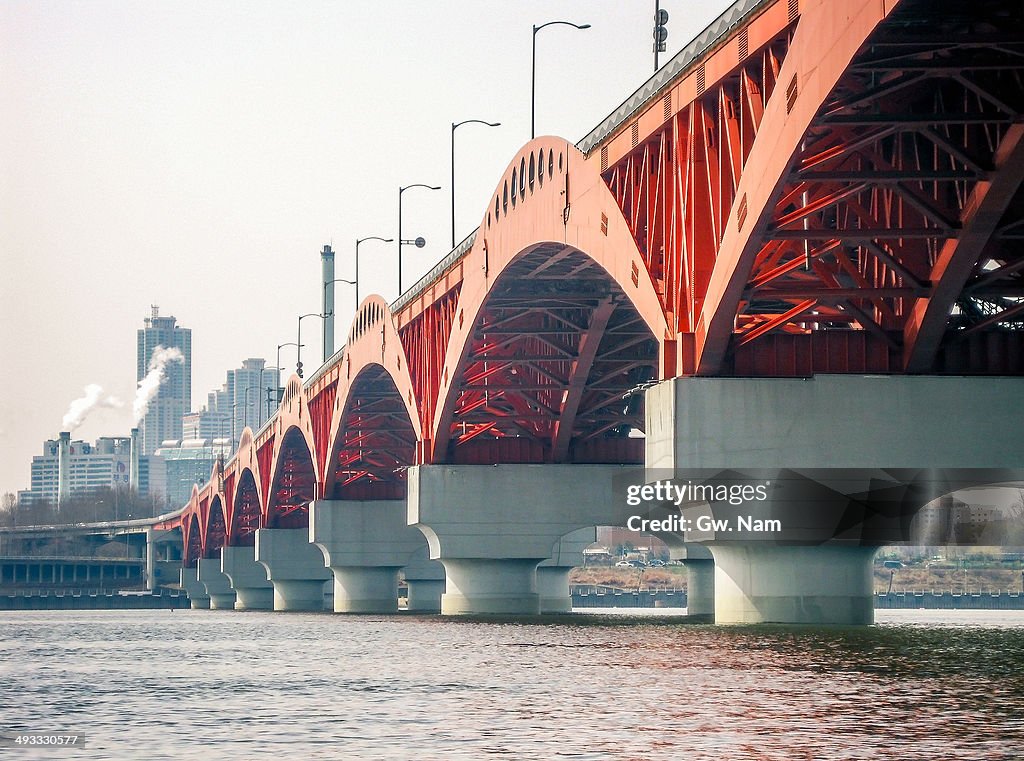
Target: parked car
{"x":656,"y":563}
{"x":624,"y":564}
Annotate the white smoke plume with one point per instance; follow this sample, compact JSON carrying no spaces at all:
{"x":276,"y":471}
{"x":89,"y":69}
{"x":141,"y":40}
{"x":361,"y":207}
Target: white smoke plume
{"x":80,"y":408}
{"x":149,"y":385}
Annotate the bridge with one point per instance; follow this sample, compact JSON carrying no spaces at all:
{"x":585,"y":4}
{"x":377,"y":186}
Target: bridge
{"x":798,"y":246}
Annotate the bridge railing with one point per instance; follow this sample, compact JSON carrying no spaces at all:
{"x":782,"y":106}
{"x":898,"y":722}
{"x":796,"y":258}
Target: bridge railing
{"x":681,"y":62}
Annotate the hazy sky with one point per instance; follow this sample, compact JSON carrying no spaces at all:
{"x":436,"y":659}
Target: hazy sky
{"x":197,"y":155}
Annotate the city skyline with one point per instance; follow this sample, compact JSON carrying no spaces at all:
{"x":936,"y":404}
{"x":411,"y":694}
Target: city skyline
{"x":167,"y":169}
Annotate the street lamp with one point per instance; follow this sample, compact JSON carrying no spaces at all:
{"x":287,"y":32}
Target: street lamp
{"x":265,"y":369}
{"x":290,"y":343}
{"x":234,"y":435}
{"x":533,"y":68}
{"x":363,"y":240}
{"x":246,"y":404}
{"x":327,"y":354}
{"x":298,"y":340}
{"x":418,"y":242}
{"x":455,"y":126}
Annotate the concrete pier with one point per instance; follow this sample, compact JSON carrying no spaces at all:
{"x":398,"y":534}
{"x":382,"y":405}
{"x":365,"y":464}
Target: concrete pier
{"x":846,"y":462}
{"x":195,"y":589}
{"x":218,"y":586}
{"x":802,"y":585}
{"x":553,"y":573}
{"x":364,"y":543}
{"x":490,"y":526}
{"x":253,"y":590}
{"x":295,"y":568}
{"x":700,"y":586}
{"x":425,"y":580}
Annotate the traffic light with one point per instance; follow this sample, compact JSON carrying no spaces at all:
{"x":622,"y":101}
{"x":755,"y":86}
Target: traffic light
{"x":660,"y":32}
{"x":298,"y":369}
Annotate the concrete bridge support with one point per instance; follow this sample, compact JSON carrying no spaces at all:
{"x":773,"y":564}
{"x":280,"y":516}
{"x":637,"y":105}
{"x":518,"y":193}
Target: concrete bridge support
{"x":553,"y":573}
{"x":364,"y":543}
{"x":490,"y":526}
{"x":151,"y":559}
{"x":253,"y":590}
{"x":294,"y":566}
{"x":846,"y":462}
{"x":425,"y":580}
{"x":805,"y":585}
{"x":195,"y":589}
{"x":218,"y":586}
{"x":700,"y":586}
{"x":700,"y":573}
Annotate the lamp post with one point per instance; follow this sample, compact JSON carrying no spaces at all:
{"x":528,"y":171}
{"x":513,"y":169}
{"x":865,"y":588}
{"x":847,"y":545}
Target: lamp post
{"x":298,"y":340}
{"x":455,"y":126}
{"x":246,"y":404}
{"x":329,"y":350}
{"x":265,"y":369}
{"x":234,"y":435}
{"x":290,"y":343}
{"x":279,"y":346}
{"x":363,"y":240}
{"x":418,"y":242}
{"x":533,"y":68}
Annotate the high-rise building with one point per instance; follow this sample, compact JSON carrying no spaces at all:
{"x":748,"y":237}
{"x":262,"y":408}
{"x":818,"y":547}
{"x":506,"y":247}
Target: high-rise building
{"x":189,"y":463}
{"x":247,"y":389}
{"x":163,"y":419}
{"x":206,"y":424}
{"x":240,"y":402}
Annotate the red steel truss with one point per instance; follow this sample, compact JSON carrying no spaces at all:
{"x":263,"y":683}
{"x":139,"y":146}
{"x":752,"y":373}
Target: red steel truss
{"x":824,"y":187}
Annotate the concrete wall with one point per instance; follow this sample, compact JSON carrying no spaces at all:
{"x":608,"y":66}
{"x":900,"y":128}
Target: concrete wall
{"x":836,"y":421}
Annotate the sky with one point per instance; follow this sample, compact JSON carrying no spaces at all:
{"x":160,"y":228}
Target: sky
{"x":197,"y":156}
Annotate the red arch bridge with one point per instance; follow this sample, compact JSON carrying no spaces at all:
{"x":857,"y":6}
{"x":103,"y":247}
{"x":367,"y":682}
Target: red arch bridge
{"x":798,"y":248}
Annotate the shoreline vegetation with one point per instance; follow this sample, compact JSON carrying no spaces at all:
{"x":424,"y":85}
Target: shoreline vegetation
{"x":993,"y":578}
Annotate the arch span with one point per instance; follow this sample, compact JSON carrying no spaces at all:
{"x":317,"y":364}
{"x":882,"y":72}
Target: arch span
{"x":376,"y":440}
{"x":294,"y":483}
{"x":246,"y":513}
{"x":215,"y":535}
{"x":192,"y":540}
{"x":556,"y":319}
{"x":377,"y":414}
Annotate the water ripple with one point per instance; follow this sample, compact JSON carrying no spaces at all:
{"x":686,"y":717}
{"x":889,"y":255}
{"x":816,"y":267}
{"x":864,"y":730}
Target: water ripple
{"x":152,"y":685}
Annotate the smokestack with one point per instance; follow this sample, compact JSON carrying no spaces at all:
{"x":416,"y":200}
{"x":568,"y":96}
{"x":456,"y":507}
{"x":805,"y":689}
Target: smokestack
{"x":63,"y":468}
{"x":133,"y":462}
{"x":327,"y":269}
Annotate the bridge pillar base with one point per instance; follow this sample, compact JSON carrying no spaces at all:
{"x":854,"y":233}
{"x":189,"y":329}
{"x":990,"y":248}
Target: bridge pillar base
{"x":553,"y":574}
{"x":299,"y":595}
{"x":218,"y":586}
{"x":364,"y":544}
{"x":294,"y":566}
{"x":481,"y":587}
{"x":553,"y":588}
{"x":253,"y":591}
{"x":823,"y":584}
{"x":425,"y":579}
{"x":700,"y":588}
{"x":425,"y":594}
{"x":490,"y":526}
{"x":250,"y":598}
{"x":196,"y":591}
{"x":365,"y":590}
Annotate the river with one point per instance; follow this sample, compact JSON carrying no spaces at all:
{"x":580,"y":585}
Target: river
{"x":213,"y":684}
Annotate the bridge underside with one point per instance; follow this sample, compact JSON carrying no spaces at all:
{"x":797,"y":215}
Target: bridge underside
{"x":555,"y":350}
{"x":891,"y":238}
{"x":893,"y":219}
